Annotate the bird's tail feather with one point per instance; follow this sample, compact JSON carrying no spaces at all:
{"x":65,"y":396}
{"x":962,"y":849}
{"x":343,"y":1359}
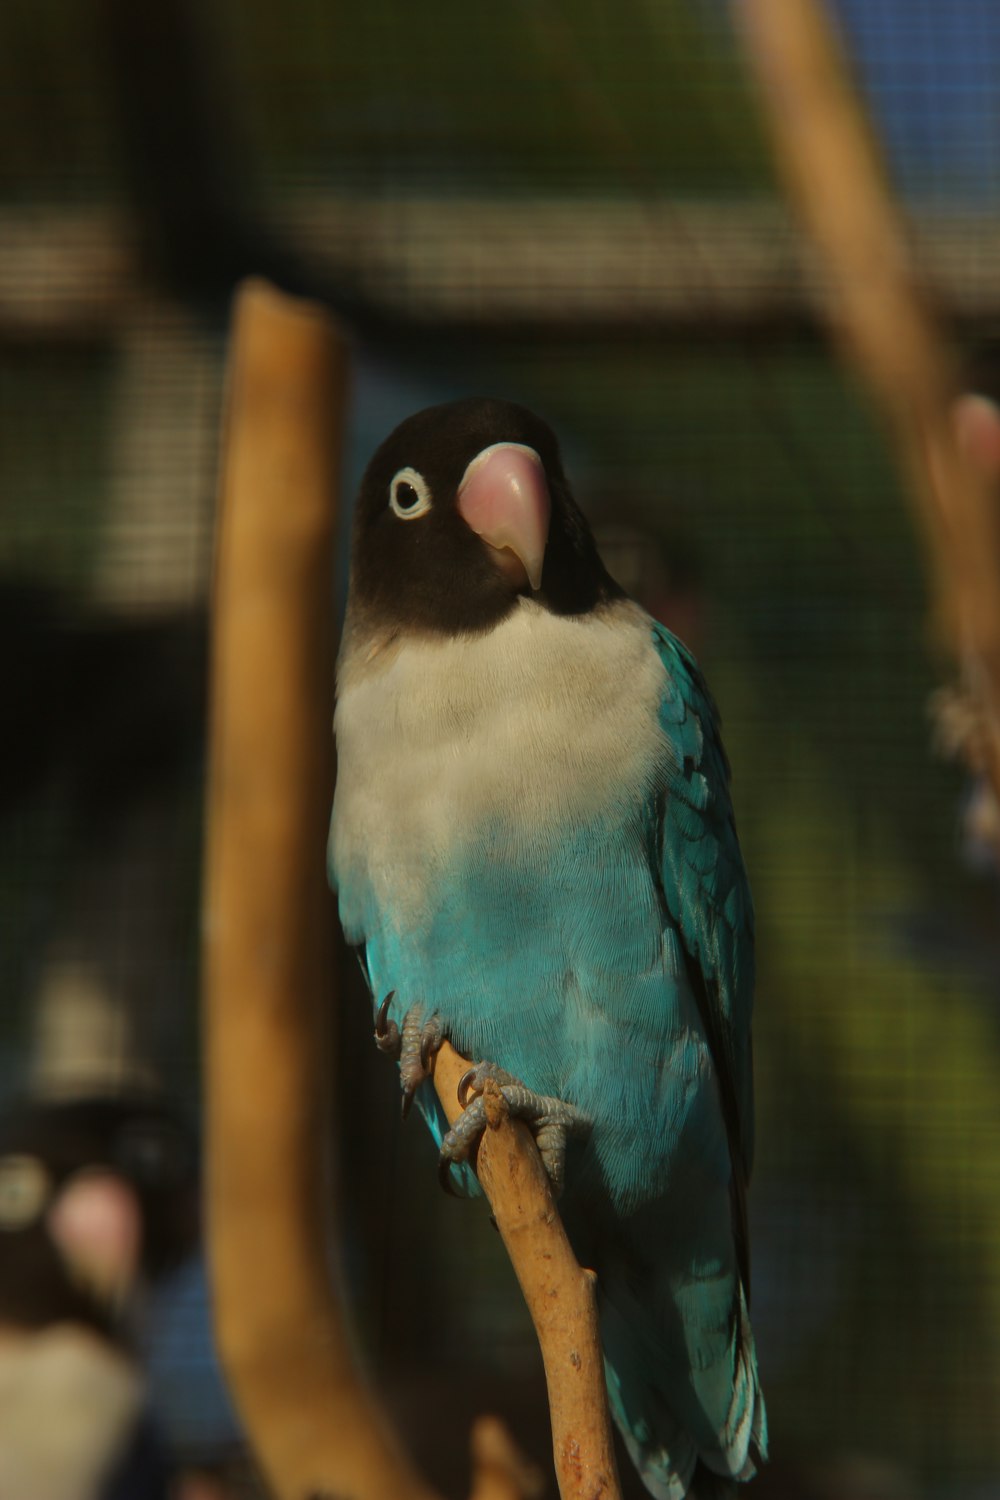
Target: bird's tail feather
{"x":673,"y":1463}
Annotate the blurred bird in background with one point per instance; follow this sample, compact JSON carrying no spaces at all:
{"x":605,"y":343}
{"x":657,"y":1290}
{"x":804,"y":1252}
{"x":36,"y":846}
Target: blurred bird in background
{"x":535,"y":853}
{"x":97,"y":1200}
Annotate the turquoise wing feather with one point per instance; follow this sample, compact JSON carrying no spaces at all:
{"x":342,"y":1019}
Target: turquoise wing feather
{"x":695,"y":1300}
{"x":705,"y":887}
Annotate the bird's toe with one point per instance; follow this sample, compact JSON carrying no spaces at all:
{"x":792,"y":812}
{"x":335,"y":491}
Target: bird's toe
{"x":552,"y":1121}
{"x":421,"y":1039}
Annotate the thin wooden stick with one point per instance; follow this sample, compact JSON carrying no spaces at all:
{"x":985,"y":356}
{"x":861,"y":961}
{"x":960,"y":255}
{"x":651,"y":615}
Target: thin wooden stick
{"x":268,"y":919}
{"x":831,"y":170}
{"x":560,"y":1295}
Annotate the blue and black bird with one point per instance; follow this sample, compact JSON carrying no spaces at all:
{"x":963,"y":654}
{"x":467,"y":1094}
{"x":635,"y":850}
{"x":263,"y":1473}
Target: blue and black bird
{"x":534,"y":849}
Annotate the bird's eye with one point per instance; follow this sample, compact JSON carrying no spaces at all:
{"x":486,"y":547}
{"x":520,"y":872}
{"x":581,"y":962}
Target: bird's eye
{"x":409,"y":495}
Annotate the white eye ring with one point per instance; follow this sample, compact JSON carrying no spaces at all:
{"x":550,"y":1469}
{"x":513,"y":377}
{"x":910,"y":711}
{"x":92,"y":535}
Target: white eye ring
{"x":405,"y":485}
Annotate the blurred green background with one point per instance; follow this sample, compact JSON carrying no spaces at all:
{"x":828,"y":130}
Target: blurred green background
{"x":569,"y":204}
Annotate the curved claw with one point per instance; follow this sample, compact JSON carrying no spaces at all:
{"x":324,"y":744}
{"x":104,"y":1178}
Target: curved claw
{"x":445,"y":1179}
{"x":465,"y":1086}
{"x":386,"y":1030}
{"x":381,"y":1018}
{"x":429,"y":1044}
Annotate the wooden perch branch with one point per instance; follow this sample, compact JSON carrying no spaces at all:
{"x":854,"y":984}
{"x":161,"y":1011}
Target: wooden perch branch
{"x":826,"y":155}
{"x":560,"y":1296}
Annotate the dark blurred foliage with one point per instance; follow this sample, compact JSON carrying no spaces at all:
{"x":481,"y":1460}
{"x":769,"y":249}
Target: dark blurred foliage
{"x":770,"y":527}
{"x":125,"y":684}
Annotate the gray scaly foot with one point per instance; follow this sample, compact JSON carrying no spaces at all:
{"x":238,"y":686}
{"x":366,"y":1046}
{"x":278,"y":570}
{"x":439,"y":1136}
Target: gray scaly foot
{"x":421,"y":1040}
{"x":552,"y":1121}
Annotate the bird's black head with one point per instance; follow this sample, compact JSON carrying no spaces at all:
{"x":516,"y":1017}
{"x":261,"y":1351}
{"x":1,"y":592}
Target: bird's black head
{"x":463,"y":508}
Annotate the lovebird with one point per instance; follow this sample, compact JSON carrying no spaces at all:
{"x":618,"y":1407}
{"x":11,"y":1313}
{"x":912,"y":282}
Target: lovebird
{"x":534,"y":852}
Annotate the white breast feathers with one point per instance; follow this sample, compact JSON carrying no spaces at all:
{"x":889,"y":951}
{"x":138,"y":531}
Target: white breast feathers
{"x":537,"y":726}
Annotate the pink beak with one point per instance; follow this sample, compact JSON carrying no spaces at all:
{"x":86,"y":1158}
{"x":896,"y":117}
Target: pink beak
{"x":504,"y":498}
